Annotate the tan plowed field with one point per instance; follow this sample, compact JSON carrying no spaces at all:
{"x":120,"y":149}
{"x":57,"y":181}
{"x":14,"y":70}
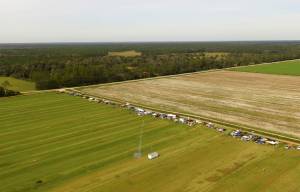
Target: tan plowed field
{"x":268,"y":102}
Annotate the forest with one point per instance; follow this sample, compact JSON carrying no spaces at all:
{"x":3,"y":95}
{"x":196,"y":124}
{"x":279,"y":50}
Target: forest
{"x":74,"y":64}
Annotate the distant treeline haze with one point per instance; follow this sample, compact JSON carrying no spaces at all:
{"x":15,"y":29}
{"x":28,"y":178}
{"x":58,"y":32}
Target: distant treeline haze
{"x":65,"y":65}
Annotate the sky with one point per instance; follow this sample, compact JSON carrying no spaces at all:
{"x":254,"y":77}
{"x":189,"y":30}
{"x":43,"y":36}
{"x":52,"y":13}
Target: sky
{"x":24,"y":21}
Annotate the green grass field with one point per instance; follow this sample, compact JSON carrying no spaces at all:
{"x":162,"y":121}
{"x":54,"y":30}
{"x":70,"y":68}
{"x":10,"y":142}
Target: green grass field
{"x":55,"y":142}
{"x":280,"y":68}
{"x":17,"y":84}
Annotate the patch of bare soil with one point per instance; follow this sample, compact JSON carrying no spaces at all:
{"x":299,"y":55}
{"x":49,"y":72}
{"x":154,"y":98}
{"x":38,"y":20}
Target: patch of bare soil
{"x":268,"y":102}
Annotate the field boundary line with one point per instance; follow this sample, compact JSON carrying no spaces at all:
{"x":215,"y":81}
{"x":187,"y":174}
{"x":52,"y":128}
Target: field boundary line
{"x":253,"y":65}
{"x":178,"y":75}
{"x":272,"y":135}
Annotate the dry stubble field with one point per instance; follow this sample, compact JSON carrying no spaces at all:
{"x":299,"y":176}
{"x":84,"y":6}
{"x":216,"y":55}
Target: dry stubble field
{"x":269,"y":102}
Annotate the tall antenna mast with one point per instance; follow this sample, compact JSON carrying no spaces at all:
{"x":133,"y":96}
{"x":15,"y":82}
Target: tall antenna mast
{"x":138,"y":154}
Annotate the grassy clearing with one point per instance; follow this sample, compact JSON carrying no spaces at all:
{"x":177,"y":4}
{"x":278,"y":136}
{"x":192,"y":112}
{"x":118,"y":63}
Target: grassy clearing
{"x":69,"y":144}
{"x":131,"y":53}
{"x":17,"y":84}
{"x":280,"y":68}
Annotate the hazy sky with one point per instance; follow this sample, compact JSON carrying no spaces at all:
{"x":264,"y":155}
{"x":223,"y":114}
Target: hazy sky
{"x":151,"y":20}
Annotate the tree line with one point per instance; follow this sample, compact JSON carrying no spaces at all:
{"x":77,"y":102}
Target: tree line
{"x":55,"y":66}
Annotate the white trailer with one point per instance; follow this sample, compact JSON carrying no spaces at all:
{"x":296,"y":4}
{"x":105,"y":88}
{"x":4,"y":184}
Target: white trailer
{"x":171,"y":116}
{"x":153,"y":155}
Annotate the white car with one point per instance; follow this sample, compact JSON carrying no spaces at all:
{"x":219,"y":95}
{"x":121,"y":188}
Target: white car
{"x":298,"y":148}
{"x":245,"y":138}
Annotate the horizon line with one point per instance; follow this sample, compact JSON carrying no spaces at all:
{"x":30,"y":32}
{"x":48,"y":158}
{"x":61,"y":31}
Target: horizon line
{"x":133,"y":42}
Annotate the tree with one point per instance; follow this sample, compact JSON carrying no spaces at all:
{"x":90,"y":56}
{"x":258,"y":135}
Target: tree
{"x":6,"y":93}
{"x":6,"y":84}
{"x":2,"y":92}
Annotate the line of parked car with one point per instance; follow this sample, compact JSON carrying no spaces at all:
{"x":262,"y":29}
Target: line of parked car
{"x":244,"y":136}
{"x":141,"y":112}
{"x":138,"y":110}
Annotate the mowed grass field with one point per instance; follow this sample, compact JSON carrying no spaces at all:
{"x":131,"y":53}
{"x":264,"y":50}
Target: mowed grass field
{"x":260,"y":101}
{"x":55,"y":142}
{"x":17,"y":84}
{"x":280,"y":68}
